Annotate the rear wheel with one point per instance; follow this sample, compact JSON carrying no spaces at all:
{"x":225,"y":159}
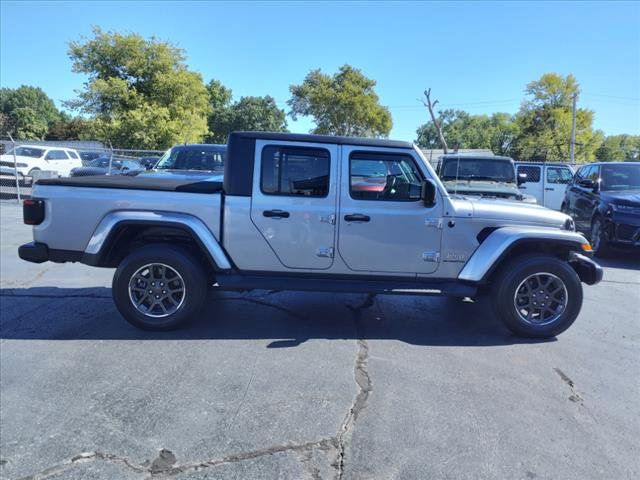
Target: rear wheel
{"x":159,"y":287}
{"x":537,"y":296}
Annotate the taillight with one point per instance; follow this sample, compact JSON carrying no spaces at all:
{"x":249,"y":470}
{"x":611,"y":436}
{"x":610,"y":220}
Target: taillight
{"x":33,"y":211}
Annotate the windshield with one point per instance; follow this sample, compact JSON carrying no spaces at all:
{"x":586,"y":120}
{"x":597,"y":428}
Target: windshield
{"x":102,"y":162}
{"x":192,"y":158}
{"x":27,"y":152}
{"x":483,"y":169}
{"x":620,"y":177}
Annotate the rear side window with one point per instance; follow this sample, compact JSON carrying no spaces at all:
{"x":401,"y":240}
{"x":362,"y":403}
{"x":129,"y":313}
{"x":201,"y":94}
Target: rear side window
{"x":532,"y":173}
{"x":383,"y":176}
{"x":56,"y":155}
{"x":559,"y":175}
{"x":294,"y":171}
{"x":72,"y":154}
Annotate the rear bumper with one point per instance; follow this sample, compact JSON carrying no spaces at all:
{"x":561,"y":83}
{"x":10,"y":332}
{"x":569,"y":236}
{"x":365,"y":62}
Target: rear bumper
{"x":36,"y":252}
{"x":588,"y":270}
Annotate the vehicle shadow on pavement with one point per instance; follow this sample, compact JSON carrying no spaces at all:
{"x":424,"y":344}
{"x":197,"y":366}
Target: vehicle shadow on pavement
{"x":287,"y":318}
{"x":626,"y":260}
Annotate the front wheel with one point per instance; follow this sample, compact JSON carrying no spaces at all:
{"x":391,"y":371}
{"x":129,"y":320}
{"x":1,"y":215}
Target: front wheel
{"x":159,"y":287}
{"x":598,"y":238}
{"x":537,"y":296}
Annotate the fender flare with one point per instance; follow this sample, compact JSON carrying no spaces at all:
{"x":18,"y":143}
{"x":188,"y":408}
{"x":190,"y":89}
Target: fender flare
{"x":112,"y":220}
{"x":502,"y":240}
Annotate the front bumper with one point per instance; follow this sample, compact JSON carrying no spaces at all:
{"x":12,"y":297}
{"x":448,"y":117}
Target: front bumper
{"x":588,"y":270}
{"x":623,"y":230}
{"x":37,"y":252}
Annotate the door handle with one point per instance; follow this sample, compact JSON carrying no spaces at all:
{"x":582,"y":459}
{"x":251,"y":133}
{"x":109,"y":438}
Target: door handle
{"x":275,"y":214}
{"x":522,"y":188}
{"x":550,"y":189}
{"x":357,"y":217}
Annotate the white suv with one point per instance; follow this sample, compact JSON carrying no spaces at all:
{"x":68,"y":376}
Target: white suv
{"x":32,"y":158}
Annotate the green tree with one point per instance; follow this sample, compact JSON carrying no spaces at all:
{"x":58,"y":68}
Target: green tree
{"x":544,"y":122}
{"x":342,"y":104}
{"x":70,"y":128}
{"x":28,"y":112}
{"x":140,"y":92}
{"x":248,"y":113}
{"x":463,"y":130}
{"x":619,"y":147}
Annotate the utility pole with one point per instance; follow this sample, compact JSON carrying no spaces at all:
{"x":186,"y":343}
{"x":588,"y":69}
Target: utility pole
{"x":573,"y":128}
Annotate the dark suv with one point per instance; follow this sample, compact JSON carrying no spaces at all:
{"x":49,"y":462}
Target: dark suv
{"x":604,"y":200}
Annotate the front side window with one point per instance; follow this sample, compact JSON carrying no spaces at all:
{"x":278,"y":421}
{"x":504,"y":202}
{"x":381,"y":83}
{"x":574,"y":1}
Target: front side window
{"x":56,"y":155}
{"x":383,"y":176}
{"x":532,"y":173}
{"x":294,"y":171}
{"x":559,"y":175}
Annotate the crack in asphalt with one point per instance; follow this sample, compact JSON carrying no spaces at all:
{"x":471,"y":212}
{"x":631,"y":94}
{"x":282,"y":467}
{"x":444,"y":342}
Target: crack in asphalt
{"x":363,"y":380}
{"x":575,"y":396}
{"x":166,"y":463}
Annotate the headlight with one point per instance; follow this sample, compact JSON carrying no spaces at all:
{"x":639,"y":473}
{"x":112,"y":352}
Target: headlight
{"x":623,"y":208}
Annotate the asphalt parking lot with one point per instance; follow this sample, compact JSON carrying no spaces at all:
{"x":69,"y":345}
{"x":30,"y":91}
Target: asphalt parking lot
{"x":301,"y":385}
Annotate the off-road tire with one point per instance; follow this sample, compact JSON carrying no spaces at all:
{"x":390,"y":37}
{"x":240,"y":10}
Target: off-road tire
{"x":512,"y":276}
{"x":191,"y":274}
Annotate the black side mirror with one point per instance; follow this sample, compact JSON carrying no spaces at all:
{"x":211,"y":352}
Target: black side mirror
{"x":586,"y":183}
{"x":428,"y":193}
{"x":522,"y":178}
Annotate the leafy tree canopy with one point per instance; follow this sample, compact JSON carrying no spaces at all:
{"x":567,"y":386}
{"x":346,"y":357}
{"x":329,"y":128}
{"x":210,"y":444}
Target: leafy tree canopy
{"x":463,"y":130}
{"x":27,"y":112}
{"x":248,"y":113}
{"x":342,"y":104}
{"x":619,"y":147}
{"x":544,"y":122}
{"x":139,"y":92}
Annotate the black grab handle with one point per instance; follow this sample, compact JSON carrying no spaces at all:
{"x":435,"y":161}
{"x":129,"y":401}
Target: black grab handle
{"x":357,"y":217}
{"x":275,"y":214}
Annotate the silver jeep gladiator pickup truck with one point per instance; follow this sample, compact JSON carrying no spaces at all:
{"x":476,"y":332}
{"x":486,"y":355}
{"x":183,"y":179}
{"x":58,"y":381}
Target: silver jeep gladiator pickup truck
{"x":310,"y":212}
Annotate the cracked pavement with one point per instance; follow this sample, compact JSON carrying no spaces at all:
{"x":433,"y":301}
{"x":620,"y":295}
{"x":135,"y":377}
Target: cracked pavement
{"x":272,"y":384}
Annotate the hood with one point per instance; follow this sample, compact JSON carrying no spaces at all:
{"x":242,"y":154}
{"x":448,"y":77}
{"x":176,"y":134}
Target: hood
{"x":484,"y":188}
{"x":623,"y":197}
{"x":199,"y":175}
{"x":510,"y":213}
{"x":80,"y":171}
{"x":8,"y":157}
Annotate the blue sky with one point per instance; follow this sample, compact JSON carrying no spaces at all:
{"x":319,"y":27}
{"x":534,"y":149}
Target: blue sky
{"x":475,"y":56}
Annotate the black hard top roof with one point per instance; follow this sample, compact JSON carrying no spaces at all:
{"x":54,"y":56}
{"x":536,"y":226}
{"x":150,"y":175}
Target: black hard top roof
{"x":471,"y":156}
{"x":301,"y":137}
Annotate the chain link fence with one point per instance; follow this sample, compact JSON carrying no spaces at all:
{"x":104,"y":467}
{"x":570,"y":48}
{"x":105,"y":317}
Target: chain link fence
{"x":23,"y":162}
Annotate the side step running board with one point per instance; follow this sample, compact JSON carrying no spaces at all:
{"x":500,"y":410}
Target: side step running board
{"x":297,"y":283}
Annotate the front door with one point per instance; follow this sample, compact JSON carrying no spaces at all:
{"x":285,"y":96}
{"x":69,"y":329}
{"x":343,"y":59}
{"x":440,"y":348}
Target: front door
{"x":556,"y":180}
{"x":532,"y":184}
{"x":384,"y":227}
{"x":294,"y":202}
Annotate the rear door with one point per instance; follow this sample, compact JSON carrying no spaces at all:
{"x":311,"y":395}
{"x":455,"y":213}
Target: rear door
{"x":556,"y":178}
{"x":294,"y":201}
{"x":532,"y":185}
{"x":384,"y":227}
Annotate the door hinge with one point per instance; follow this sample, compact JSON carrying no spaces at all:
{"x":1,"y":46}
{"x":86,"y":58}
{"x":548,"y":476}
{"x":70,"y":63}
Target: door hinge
{"x":431,"y":257}
{"x":326,"y":252}
{"x":434,"y":223}
{"x":330,"y":219}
